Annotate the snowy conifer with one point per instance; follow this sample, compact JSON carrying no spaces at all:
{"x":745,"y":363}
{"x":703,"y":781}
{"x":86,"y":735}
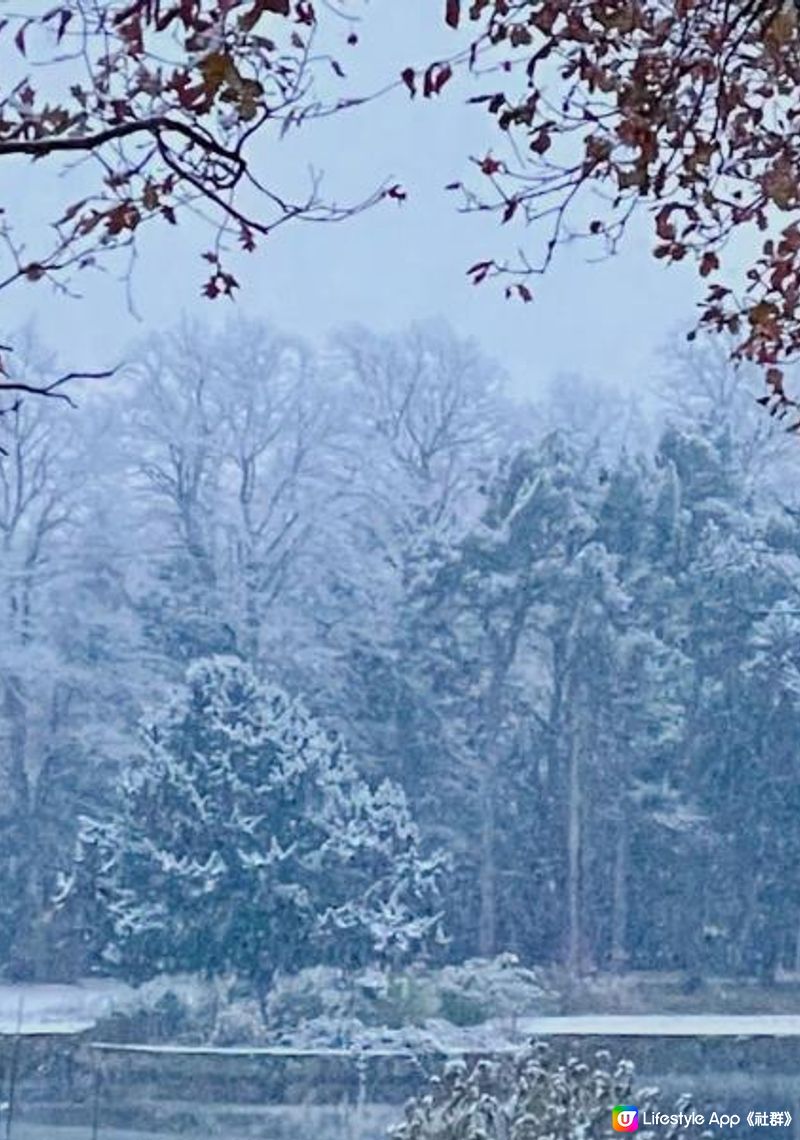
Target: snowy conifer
{"x":244,"y":840}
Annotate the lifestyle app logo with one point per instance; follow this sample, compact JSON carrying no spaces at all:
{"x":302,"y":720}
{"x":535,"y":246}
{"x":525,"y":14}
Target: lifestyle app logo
{"x":625,"y":1118}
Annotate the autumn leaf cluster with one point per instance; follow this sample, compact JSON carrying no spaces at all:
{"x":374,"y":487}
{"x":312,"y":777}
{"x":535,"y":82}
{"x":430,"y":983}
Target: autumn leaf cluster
{"x":165,"y":102}
{"x":687,"y":109}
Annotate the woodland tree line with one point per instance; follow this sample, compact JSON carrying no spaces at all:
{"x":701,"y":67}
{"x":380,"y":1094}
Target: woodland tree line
{"x":529,"y":674}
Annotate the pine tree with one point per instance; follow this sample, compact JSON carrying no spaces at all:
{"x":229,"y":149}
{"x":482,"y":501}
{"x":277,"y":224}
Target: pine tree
{"x":244,"y":840}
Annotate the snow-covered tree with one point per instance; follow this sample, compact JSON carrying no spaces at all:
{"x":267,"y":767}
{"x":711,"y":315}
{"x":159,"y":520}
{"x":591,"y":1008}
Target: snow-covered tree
{"x":425,"y":419}
{"x":244,"y":840}
{"x":48,"y":698}
{"x":227,"y":438}
{"x":481,"y":678}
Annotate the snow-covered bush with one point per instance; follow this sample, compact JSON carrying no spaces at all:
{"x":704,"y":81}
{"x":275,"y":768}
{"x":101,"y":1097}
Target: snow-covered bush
{"x":245,"y":841}
{"x":420,"y":1007}
{"x":480,"y":988}
{"x":240,"y":1022}
{"x":471,"y":993}
{"x":466,"y":994}
{"x":346,"y":1000}
{"x":407,"y":999}
{"x":535,"y":1095}
{"x":169,"y":1008}
{"x":318,"y":992}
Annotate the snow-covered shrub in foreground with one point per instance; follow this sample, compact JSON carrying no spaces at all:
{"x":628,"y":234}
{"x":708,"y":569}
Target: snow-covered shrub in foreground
{"x":535,"y":1095}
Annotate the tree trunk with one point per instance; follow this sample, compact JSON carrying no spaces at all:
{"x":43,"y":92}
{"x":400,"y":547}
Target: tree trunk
{"x":619,"y":902}
{"x":263,"y":984}
{"x":25,"y":952}
{"x":487,"y":876}
{"x":574,"y":932}
{"x":747,"y":925}
{"x":15,"y":713}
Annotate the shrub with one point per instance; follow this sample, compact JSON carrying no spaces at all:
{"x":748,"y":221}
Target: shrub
{"x":533,"y":1095}
{"x":492,"y":987}
{"x":319,"y":991}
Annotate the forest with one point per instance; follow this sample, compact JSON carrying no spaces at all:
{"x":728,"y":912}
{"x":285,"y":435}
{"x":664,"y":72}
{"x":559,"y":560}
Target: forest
{"x":340,"y":656}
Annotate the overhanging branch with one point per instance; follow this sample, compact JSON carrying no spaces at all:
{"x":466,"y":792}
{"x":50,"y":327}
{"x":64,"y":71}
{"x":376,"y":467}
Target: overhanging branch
{"x":53,"y":390}
{"x":155,"y":125}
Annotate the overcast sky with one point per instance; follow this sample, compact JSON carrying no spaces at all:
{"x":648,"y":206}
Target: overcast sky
{"x":396,"y":263}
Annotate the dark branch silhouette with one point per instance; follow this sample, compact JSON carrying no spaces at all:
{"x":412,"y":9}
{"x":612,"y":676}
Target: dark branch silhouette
{"x":55,"y":390}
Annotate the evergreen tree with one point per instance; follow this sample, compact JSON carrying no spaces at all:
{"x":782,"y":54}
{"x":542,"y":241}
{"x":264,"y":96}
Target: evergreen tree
{"x":244,"y":840}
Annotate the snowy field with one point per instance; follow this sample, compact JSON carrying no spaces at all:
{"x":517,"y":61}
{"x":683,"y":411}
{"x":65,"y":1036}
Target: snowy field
{"x":288,"y":1129}
{"x":59,"y":1009}
{"x":664,"y":1025}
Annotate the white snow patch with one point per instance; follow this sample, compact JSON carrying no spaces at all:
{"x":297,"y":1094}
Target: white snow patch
{"x":53,"y":1008}
{"x":59,"y":1009}
{"x":664,"y":1025}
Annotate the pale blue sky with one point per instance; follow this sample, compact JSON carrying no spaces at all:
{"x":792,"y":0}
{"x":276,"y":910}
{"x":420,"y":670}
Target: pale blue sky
{"x":396,"y":263}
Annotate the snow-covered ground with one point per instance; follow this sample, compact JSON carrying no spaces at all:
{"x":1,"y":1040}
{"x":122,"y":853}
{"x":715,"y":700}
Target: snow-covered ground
{"x":63,"y":1009}
{"x":664,"y":1025}
{"x":496,"y":1037}
{"x":54,"y":1008}
{"x":59,"y":1008}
